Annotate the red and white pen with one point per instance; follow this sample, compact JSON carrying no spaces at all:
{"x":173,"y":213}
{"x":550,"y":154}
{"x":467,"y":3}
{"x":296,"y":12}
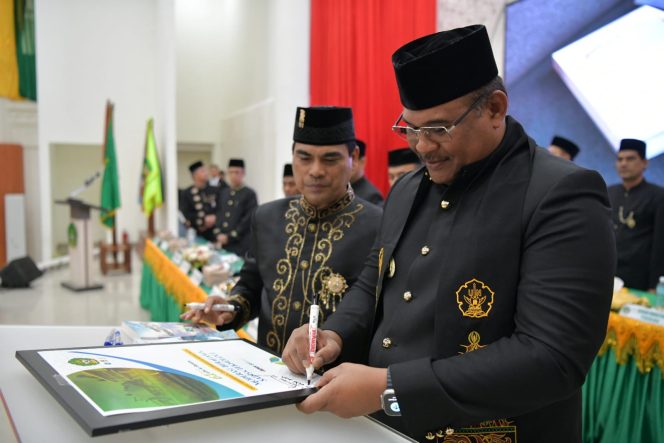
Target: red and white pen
{"x":313,"y":333}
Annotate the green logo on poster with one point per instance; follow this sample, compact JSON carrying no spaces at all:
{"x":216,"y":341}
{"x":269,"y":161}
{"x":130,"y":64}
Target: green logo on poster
{"x":83,"y":361}
{"x":72,"y":235}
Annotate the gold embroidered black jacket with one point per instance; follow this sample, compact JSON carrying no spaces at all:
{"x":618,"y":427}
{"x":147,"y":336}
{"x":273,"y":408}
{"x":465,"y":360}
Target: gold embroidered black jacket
{"x":298,"y":252}
{"x":490,"y":316}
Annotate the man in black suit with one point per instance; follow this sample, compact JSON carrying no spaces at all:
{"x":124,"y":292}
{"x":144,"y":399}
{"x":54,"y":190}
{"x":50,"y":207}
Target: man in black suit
{"x":362,"y":187}
{"x":238,"y":203}
{"x":638,"y":219}
{"x":487,"y":293}
{"x":306,"y":247}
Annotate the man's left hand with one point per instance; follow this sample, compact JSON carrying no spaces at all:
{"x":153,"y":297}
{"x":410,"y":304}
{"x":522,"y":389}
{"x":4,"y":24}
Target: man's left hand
{"x":349,"y":390}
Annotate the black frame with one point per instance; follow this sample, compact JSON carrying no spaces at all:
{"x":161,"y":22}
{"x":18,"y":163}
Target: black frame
{"x":96,"y":424}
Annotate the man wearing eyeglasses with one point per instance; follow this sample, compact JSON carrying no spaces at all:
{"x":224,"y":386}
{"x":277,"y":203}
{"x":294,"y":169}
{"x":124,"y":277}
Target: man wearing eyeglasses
{"x":487,"y":293}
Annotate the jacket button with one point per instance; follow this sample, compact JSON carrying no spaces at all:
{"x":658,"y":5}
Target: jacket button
{"x":304,"y":264}
{"x":227,"y":214}
{"x":312,"y":227}
{"x":297,"y":305}
{"x":444,"y":204}
{"x":230,"y":203}
{"x":425,"y":250}
{"x":387,"y":343}
{"x":407,"y":296}
{"x":224,"y":224}
{"x":232,"y":193}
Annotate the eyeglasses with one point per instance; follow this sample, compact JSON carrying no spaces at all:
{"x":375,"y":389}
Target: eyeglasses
{"x":436,"y":134}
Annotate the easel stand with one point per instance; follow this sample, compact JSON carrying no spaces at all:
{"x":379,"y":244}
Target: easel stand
{"x":80,"y":246}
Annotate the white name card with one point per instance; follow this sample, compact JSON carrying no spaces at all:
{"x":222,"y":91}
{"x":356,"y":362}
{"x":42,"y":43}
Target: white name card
{"x":185,"y":267}
{"x":648,"y":315}
{"x":177,"y":258}
{"x":196,"y":277}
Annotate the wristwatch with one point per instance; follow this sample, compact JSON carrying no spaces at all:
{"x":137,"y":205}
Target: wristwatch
{"x":388,"y":399}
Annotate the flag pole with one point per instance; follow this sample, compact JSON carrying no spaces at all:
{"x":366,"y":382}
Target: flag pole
{"x":151,"y":225}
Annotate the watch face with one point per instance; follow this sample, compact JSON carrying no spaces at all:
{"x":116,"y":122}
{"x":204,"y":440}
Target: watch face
{"x":390,"y":404}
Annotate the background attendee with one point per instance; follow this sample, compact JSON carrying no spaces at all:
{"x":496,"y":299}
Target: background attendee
{"x":486,"y":297}
{"x":308,"y":247}
{"x":200,"y":203}
{"x":400,"y":162}
{"x":563,"y":148}
{"x":216,"y":178}
{"x":638,"y":219}
{"x":362,"y":187}
{"x":288,"y":181}
{"x":238,"y":203}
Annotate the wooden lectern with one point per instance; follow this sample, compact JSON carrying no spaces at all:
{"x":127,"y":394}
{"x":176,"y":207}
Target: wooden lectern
{"x":80,"y":246}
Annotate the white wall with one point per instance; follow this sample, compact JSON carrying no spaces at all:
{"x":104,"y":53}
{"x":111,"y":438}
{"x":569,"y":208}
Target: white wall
{"x":88,"y":52}
{"x":490,"y":13}
{"x":242,"y":68}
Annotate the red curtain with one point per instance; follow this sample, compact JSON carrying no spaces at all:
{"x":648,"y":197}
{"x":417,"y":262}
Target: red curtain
{"x":352,"y":42}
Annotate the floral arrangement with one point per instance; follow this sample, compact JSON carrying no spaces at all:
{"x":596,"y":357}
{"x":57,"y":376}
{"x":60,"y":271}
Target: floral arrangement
{"x":198,"y":256}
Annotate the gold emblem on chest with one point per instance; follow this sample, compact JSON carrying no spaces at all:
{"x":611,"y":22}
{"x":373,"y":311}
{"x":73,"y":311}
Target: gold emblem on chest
{"x":475,"y":299}
{"x":334,"y":287}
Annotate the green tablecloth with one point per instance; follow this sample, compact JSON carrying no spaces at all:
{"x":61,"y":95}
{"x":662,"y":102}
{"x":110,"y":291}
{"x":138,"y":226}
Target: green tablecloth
{"x":165,"y":288}
{"x":623,"y":396}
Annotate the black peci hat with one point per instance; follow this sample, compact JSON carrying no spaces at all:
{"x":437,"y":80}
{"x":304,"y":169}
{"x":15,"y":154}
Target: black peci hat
{"x":324,"y":125}
{"x":288,"y":170}
{"x":362,"y":147}
{"x":195,"y":165}
{"x":634,"y":145}
{"x":236,"y":163}
{"x":402,"y":156}
{"x":440,"y":67}
{"x":566,"y":145}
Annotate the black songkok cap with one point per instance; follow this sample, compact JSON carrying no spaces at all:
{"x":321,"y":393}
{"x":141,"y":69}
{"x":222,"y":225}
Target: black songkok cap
{"x":566,"y":145}
{"x":324,"y":125}
{"x":633,"y":144}
{"x":288,"y":170}
{"x":362,"y":147}
{"x":402,"y":156}
{"x":195,"y":165}
{"x":236,"y":163}
{"x":440,"y":67}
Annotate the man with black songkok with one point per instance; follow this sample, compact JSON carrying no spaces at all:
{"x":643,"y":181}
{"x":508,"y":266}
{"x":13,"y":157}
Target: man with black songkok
{"x":307,"y":247}
{"x":400,"y":162}
{"x":199,"y":203}
{"x":486,"y":297}
{"x":288,"y":181}
{"x":238,"y":203}
{"x":362,"y":187}
{"x":638,"y":219}
{"x":563,"y":148}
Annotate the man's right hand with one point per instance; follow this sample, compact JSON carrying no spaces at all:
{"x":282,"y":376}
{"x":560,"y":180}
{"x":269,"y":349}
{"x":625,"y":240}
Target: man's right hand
{"x":296,"y":352}
{"x":207,"y":315}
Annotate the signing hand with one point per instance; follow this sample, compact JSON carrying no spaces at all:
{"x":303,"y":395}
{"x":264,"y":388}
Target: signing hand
{"x":207,"y":315}
{"x":296,"y":352}
{"x":349,"y":390}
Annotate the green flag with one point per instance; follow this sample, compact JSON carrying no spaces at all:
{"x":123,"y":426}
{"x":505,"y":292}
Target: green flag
{"x":151,"y":195}
{"x":110,"y":188}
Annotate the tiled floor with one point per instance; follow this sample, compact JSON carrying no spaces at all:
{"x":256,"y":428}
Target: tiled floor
{"x":46,"y":302}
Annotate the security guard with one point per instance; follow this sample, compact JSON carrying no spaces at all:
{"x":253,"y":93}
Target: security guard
{"x":487,"y":295}
{"x":200,"y":203}
{"x":238,"y":203}
{"x":362,"y":187}
{"x":307,"y":247}
{"x":638,"y":219}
